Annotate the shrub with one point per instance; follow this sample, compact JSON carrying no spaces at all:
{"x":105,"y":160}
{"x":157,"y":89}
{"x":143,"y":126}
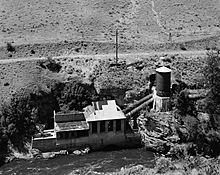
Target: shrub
{"x":3,"y":145}
{"x":10,"y":48}
{"x":213,"y":138}
{"x":32,"y":52}
{"x":50,"y":64}
{"x":183,"y":47}
{"x":17,"y":120}
{"x":212,"y":70}
{"x":212,"y":77}
{"x":184,"y":105}
{"x":74,"y":95}
{"x":163,"y":165}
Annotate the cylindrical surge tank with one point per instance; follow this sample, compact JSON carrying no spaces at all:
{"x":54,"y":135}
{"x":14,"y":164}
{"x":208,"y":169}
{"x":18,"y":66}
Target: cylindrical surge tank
{"x":163,"y":81}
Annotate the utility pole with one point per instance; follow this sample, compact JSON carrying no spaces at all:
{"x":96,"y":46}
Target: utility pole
{"x":116,"y":47}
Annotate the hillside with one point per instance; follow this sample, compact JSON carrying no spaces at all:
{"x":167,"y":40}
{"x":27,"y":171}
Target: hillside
{"x":138,"y":21}
{"x":48,"y":28}
{"x":27,"y":72}
{"x":55,"y":28}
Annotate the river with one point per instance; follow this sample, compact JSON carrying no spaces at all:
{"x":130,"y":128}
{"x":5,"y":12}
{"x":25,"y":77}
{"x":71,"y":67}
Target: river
{"x":92,"y":163}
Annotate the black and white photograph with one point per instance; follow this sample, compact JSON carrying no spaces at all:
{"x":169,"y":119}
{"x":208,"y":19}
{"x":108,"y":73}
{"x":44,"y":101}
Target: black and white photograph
{"x":109,"y":87}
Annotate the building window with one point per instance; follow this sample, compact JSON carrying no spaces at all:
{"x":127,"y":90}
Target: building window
{"x":94,"y":127}
{"x":110,"y":125}
{"x":66,"y":135}
{"x":118,"y":109}
{"x":102,"y":126}
{"x":72,"y":135}
{"x":83,"y":133}
{"x":118,"y":125}
{"x":60,"y":135}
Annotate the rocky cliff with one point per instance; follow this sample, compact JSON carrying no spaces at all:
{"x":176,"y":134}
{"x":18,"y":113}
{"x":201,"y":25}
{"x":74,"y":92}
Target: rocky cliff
{"x":178,"y":136}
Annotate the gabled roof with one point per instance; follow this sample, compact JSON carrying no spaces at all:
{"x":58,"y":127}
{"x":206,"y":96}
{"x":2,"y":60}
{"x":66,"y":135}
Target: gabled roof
{"x":69,"y":117}
{"x":103,"y":110}
{"x":71,"y":126}
{"x":70,"y":121}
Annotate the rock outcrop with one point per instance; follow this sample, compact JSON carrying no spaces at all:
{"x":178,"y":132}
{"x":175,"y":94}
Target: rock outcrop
{"x":178,"y":136}
{"x":158,"y":131}
{"x":190,"y":165}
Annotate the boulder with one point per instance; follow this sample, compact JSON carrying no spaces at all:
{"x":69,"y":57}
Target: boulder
{"x":48,"y":155}
{"x":36,"y":153}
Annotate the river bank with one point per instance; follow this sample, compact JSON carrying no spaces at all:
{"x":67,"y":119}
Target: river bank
{"x":188,"y":166}
{"x":120,"y":162}
{"x":93,"y":163}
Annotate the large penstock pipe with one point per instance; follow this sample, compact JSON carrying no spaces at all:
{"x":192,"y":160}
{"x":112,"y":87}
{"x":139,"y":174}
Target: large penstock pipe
{"x":129,"y":114}
{"x":138,"y":103}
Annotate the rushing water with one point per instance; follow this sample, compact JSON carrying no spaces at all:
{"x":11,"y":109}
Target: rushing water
{"x":94,"y":163}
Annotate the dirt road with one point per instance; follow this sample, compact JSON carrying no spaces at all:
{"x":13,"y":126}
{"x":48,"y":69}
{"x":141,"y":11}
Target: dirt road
{"x":106,"y":56}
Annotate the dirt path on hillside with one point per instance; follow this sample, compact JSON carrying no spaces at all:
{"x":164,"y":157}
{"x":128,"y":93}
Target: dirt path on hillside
{"x":6,"y":61}
{"x":106,"y":56}
{"x":157,"y":17}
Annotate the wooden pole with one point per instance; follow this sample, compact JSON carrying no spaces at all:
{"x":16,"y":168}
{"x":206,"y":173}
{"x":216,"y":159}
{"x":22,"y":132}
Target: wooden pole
{"x":116,"y":47}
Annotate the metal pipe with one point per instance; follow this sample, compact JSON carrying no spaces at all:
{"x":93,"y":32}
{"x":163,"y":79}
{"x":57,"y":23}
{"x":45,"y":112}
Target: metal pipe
{"x":136,"y":104}
{"x":128,"y":115}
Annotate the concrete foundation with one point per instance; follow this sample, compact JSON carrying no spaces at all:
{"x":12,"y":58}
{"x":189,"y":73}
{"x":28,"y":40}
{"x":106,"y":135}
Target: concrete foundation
{"x":161,"y":104}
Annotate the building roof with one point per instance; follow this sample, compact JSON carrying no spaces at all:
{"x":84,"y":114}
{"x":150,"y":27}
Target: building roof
{"x":103,"y":110}
{"x":163,"y":69}
{"x":47,"y":134}
{"x":70,"y":121}
{"x":69,"y":117}
{"x":99,"y":111}
{"x":71,"y":126}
